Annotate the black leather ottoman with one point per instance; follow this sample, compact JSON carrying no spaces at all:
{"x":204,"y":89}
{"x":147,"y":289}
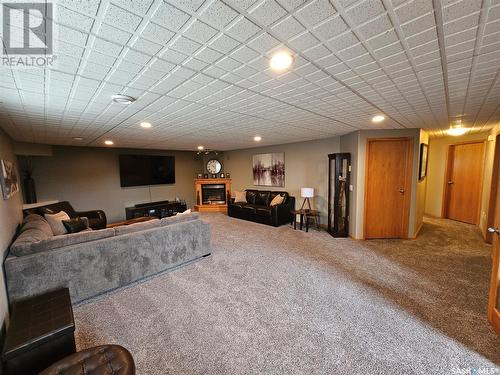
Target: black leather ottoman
{"x":101,"y":360}
{"x":41,"y":332}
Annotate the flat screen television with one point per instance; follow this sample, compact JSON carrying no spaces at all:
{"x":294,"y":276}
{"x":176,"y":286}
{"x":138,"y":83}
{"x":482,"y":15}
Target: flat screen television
{"x":139,"y":170}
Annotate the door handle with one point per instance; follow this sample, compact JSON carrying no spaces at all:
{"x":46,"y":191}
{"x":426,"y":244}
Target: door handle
{"x":494,"y":230}
{"x":450,"y":182}
{"x":402,"y":191}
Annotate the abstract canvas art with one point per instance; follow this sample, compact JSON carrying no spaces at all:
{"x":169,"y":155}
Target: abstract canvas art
{"x":8,"y":179}
{"x":269,"y":169}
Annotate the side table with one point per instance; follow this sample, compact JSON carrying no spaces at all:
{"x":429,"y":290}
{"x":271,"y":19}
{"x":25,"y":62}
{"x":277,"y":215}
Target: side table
{"x":41,"y":332}
{"x":310,"y":216}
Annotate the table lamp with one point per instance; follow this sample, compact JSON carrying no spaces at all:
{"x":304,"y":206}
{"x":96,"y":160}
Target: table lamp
{"x":306,"y":193}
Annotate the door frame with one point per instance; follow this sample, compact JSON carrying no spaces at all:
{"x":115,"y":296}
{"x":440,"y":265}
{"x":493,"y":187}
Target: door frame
{"x":490,"y":220}
{"x":408,"y":181}
{"x":493,"y":309}
{"x":448,"y":169}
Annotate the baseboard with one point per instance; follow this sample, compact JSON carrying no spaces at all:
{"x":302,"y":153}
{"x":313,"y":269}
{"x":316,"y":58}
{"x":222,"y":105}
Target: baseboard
{"x":433,"y":216}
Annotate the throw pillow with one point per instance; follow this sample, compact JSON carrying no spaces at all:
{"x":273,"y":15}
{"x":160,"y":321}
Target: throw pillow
{"x":277,"y":200}
{"x":56,"y":224}
{"x":240,"y":196}
{"x":75,"y":225}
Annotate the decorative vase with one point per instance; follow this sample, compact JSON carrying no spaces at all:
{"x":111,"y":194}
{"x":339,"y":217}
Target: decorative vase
{"x":29,"y":190}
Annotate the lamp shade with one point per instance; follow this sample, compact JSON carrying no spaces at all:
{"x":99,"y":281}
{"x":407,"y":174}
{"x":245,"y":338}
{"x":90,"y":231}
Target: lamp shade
{"x":306,"y":192}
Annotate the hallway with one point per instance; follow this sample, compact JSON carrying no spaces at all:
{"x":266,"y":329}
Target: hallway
{"x":454,"y":260}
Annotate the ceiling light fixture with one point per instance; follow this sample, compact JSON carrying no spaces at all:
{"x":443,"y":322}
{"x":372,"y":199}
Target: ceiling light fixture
{"x":78,"y":138}
{"x":109,"y":143}
{"x":457,"y":130}
{"x":200,"y":147}
{"x":122,"y":99}
{"x":146,"y":125}
{"x":257,"y":138}
{"x":378,"y":118}
{"x":281,"y":61}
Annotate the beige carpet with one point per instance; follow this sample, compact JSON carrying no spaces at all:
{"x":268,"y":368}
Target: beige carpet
{"x":278,"y":301}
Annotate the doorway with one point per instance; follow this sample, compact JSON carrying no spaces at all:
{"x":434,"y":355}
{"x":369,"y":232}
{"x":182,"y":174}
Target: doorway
{"x":388,"y":187}
{"x":463,"y":182}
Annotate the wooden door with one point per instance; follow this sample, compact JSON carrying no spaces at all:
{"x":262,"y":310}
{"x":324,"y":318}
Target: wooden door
{"x":463,"y":184}
{"x":494,"y":298}
{"x":387,"y":188}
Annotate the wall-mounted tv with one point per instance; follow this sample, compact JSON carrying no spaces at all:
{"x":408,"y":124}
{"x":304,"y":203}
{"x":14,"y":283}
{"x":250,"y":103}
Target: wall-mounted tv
{"x":139,"y":170}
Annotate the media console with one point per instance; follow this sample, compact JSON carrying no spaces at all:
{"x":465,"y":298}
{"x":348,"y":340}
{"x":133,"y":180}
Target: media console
{"x":159,"y":209}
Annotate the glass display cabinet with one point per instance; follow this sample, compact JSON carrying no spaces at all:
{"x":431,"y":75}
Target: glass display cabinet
{"x":339,"y":171}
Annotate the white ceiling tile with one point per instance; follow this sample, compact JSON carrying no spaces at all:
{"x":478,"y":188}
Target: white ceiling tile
{"x":121,"y":18}
{"x":224,"y":44}
{"x":243,"y":30}
{"x":268,"y":12}
{"x":170,"y":17}
{"x":200,"y":32}
{"x":287,"y":28}
{"x":218,"y":14}
{"x":157,"y":33}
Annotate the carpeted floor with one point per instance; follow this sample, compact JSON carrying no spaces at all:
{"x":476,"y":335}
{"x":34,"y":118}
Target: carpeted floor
{"x":278,"y":301}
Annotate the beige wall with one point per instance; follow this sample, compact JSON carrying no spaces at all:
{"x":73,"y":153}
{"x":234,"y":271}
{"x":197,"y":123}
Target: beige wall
{"x":89,"y":179}
{"x":438,"y":156}
{"x":306,"y":165}
{"x":364,"y":135}
{"x":10,"y":218}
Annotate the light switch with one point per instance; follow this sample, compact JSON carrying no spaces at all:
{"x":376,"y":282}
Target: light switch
{"x":351,"y":188}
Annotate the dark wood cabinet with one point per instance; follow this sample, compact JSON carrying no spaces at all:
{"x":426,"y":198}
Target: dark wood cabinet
{"x":339,"y":172}
{"x":157,"y":209}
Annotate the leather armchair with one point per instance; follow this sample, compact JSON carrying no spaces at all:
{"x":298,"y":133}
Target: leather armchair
{"x":97,"y":218}
{"x":258,"y":209}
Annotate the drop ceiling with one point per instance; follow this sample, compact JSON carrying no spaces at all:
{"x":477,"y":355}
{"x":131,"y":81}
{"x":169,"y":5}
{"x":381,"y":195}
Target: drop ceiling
{"x":200,"y":71}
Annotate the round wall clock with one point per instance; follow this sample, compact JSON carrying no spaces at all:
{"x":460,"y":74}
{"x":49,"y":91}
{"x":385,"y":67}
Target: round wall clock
{"x":214,"y":166}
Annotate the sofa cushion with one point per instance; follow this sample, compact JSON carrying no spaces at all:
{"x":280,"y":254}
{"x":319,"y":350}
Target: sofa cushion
{"x":56,"y":222}
{"x":23,"y":244}
{"x":262,"y":198}
{"x":57,"y":242}
{"x":179,"y":218}
{"x":34,"y":221}
{"x":251,"y":196}
{"x":76,"y":224}
{"x":277,"y":200}
{"x":263,"y":211}
{"x":240,"y":197}
{"x":248,"y":208}
{"x":238,"y":205}
{"x":284,"y":194}
{"x":137,"y":227}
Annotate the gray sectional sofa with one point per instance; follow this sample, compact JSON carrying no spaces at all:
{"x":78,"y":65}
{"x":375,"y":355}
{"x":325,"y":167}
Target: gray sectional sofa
{"x":93,"y":262}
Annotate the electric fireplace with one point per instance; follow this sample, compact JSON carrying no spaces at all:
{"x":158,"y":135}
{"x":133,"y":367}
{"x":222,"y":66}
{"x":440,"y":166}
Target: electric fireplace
{"x":213,"y":194}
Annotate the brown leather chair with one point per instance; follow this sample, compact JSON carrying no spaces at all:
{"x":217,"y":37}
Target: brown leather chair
{"x":100,"y":360}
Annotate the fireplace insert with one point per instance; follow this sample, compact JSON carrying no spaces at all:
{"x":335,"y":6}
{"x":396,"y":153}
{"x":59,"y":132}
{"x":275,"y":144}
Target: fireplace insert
{"x":213,"y":193}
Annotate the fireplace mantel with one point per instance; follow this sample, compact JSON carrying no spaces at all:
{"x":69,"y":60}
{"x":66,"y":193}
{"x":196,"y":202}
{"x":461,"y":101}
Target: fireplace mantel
{"x":214,"y":207}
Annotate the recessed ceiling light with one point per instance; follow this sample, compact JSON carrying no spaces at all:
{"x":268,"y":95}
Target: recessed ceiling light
{"x":77,"y":138}
{"x":281,"y":61}
{"x":257,"y":138}
{"x":200,"y":147}
{"x":109,"y":143}
{"x":378,"y":118}
{"x":146,"y":125}
{"x":122,"y":99}
{"x":457,"y":130}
